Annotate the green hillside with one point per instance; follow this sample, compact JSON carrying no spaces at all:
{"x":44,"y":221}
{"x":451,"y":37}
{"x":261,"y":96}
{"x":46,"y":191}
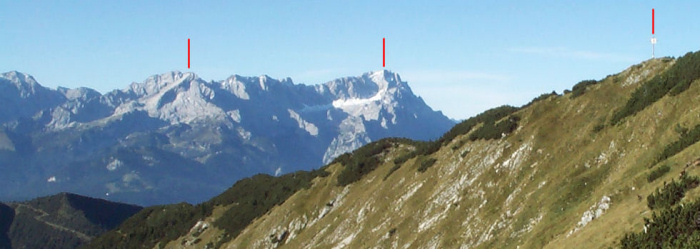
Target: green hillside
{"x":59,"y":221}
{"x":587,"y":169}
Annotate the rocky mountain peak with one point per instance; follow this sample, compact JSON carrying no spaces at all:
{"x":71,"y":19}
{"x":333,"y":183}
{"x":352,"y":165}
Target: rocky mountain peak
{"x":82,"y":93}
{"x":366,"y":86}
{"x":156,"y":83}
{"x":384,"y":78}
{"x":24,"y":83}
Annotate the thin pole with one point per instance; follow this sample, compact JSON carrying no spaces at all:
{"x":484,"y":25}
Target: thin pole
{"x":383,"y":52}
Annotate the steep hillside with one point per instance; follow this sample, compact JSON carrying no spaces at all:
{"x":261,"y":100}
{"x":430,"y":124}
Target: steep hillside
{"x":579,"y":170}
{"x":176,"y":137}
{"x":59,"y":221}
{"x":567,"y":177}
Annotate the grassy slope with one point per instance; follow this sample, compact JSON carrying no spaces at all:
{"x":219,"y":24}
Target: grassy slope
{"x":529,"y":189}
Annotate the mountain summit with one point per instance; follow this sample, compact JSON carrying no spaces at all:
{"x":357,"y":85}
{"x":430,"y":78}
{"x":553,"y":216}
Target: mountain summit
{"x":176,"y":137}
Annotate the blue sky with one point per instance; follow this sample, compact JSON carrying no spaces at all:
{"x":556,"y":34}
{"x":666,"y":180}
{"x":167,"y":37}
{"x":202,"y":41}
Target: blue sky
{"x":462,"y":57}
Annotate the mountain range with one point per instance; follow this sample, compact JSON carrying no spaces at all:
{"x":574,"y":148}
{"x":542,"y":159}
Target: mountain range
{"x":176,"y":137}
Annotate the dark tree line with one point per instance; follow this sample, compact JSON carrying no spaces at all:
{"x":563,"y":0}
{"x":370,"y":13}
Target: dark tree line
{"x":252,"y":198}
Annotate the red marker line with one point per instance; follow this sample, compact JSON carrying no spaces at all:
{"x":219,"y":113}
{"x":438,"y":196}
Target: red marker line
{"x":188,"y":53}
{"x":652,"y":21}
{"x":383,"y":52}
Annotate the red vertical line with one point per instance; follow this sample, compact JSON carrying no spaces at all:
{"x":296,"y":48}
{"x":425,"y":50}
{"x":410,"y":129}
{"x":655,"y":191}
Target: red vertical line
{"x":652,"y":21}
{"x":188,"y":53}
{"x":383,"y":52}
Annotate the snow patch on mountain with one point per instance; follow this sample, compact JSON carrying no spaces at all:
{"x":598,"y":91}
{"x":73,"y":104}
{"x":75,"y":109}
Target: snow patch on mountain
{"x":347,"y":103}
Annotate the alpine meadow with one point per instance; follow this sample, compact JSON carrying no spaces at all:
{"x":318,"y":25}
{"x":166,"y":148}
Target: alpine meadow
{"x":613,"y":163}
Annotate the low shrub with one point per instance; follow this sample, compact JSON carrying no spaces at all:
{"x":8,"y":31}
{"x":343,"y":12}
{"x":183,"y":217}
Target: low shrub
{"x":658,"y":172}
{"x":540,"y":98}
{"x":580,"y":88}
{"x":677,"y":227}
{"x":365,"y":159}
{"x":426,"y":163}
{"x":672,"y":192}
{"x":689,"y":138}
{"x":492,"y":130}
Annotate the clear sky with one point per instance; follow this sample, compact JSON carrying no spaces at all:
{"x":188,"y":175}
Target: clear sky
{"x":462,"y":57}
